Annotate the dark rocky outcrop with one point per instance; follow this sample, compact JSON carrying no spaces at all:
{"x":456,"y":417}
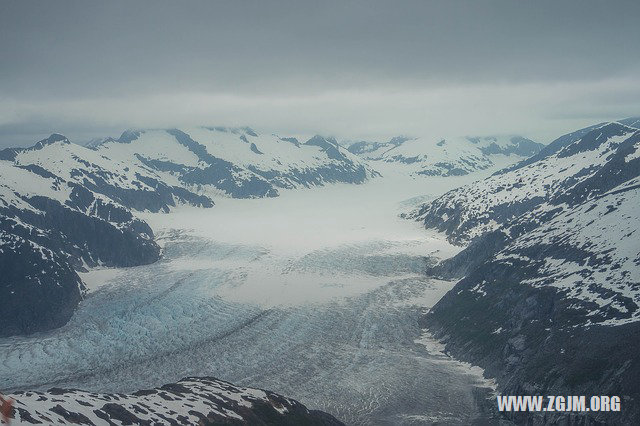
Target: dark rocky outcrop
{"x":38,"y":288}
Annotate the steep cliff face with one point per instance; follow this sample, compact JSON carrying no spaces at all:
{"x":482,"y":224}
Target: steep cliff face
{"x":520,"y":335}
{"x":550,"y":295}
{"x":39,"y":289}
{"x":42,"y":245}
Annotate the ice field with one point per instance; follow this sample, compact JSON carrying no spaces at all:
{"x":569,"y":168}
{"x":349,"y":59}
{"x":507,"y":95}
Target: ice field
{"x":315,"y":294}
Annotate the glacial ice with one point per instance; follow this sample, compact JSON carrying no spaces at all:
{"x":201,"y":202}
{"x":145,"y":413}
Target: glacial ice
{"x":314,"y":295}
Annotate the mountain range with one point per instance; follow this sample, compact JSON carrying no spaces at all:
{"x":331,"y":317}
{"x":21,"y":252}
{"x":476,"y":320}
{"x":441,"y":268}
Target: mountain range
{"x":457,"y":156}
{"x":67,"y":208}
{"x":550,"y":263}
{"x":548,"y":297}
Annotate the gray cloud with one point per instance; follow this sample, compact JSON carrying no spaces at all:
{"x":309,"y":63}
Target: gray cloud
{"x":353,"y":69}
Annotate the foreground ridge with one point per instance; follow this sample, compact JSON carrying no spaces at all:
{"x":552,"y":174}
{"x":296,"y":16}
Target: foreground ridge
{"x":192,"y":400}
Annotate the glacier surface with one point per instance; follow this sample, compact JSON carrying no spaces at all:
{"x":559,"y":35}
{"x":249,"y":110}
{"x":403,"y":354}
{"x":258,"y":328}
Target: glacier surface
{"x":315,"y":294}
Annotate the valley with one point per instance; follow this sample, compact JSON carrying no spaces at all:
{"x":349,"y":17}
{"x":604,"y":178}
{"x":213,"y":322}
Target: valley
{"x":315,"y":294}
{"x":319,"y":213}
{"x":378,"y":282}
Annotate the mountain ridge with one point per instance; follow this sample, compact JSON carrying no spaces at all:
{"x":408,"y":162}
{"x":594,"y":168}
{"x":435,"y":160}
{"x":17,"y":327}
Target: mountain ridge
{"x":192,"y":400}
{"x":81,"y":202}
{"x":547,"y":299}
{"x":450,"y":156}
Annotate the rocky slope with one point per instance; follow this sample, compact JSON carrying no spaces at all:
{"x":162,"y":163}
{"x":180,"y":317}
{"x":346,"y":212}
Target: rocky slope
{"x":191,"y":401}
{"x":446,"y":156}
{"x":52,"y":224}
{"x":551,"y":289}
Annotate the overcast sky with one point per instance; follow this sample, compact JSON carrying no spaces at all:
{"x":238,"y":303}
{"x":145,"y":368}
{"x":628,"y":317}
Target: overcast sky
{"x":356,"y":70}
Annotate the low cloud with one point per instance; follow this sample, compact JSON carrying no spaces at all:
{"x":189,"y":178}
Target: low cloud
{"x":360,"y":69}
{"x":540,"y":111}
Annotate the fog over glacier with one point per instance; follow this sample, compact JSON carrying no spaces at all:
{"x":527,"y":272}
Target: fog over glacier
{"x":315,"y":294}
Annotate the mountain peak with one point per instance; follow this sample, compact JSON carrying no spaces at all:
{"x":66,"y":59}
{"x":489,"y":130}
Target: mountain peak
{"x":595,"y":138}
{"x":328,"y":145}
{"x":631,"y":122}
{"x":129,"y":135}
{"x":398,"y":140}
{"x":322,"y":141}
{"x":96,"y":142}
{"x":55,"y":137}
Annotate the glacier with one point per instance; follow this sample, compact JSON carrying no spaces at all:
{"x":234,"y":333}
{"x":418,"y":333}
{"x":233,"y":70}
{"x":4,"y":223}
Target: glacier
{"x":315,"y":294}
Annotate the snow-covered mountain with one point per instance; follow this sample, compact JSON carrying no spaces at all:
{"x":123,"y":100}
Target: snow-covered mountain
{"x":191,"y":401}
{"x":237,"y":162}
{"x":66,"y":207}
{"x":550,"y":299}
{"x":125,"y":182}
{"x":52,"y":222}
{"x":454,"y":156}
